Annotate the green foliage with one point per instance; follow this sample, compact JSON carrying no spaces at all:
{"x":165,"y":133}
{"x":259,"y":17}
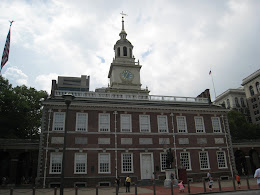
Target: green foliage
{"x":20,"y":111}
{"x":240,"y":128}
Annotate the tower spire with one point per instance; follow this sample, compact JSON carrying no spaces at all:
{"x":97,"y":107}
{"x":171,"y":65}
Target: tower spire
{"x":123,"y":33}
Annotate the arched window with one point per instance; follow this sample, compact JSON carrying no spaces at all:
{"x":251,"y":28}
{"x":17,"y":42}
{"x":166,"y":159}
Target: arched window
{"x":130,"y":52}
{"x":223,"y":104}
{"x":257,"y":87}
{"x":125,"y":51}
{"x":251,"y":91}
{"x":118,"y":51}
{"x":236,"y":101}
{"x":228,"y":103}
{"x":242,"y":102}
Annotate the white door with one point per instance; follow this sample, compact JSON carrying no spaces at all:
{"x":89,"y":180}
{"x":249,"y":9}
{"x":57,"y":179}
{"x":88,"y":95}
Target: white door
{"x":146,"y":166}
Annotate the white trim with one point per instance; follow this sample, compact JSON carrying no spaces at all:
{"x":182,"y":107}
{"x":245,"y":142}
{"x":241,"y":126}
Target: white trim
{"x":52,"y":155}
{"x":220,"y":129}
{"x":130,"y":122}
{"x":190,"y":167}
{"x":86,"y":125}
{"x":207,"y":154}
{"x":162,"y":170}
{"x":109,"y":167}
{"x":99,"y":122}
{"x":132,"y":163}
{"x":225,"y":158}
{"x":141,"y":164}
{"x":185,"y":124}
{"x":85,"y":154}
{"x":203,"y":128}
{"x":54,"y":120}
{"x":149,"y":123}
{"x":158,"y":123}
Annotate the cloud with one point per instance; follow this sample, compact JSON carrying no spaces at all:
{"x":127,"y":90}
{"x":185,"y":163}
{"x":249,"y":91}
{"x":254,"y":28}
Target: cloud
{"x":16,"y":76}
{"x":44,"y":81}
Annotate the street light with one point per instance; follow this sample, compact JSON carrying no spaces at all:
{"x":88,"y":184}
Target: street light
{"x":68,"y":99}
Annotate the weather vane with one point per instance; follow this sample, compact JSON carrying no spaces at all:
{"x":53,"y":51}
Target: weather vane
{"x":11,"y":22}
{"x":123,"y":14}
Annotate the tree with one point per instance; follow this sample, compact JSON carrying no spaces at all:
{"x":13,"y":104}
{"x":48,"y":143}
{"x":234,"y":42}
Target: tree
{"x":20,"y":111}
{"x":240,"y":128}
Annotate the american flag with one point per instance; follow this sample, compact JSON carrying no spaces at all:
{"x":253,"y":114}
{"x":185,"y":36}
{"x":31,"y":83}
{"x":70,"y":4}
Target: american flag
{"x":6,"y":50}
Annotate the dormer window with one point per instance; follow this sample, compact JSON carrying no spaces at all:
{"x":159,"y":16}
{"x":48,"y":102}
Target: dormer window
{"x":125,"y":51}
{"x":118,"y":51}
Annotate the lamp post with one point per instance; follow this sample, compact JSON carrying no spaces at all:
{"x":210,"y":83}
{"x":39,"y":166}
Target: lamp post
{"x":68,"y":99}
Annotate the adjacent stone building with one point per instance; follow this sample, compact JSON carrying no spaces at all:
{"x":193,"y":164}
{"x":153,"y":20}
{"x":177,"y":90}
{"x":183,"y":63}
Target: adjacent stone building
{"x":252,"y":90}
{"x":123,"y":130}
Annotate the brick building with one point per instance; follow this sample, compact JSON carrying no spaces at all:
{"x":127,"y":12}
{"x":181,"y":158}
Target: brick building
{"x":125,"y":131}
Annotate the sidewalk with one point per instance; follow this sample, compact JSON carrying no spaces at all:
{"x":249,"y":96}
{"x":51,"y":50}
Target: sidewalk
{"x":195,"y":188}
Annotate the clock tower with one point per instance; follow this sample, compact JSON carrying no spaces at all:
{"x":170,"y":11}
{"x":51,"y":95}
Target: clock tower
{"x":124,"y":72}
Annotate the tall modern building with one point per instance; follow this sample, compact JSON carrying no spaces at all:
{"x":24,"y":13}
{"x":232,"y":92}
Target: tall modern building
{"x":123,"y":130}
{"x":252,"y":90}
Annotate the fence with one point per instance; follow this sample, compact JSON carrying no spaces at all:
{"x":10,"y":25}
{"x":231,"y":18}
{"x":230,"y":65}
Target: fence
{"x":190,"y":188}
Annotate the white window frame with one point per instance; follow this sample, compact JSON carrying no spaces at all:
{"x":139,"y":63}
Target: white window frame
{"x":104,"y":124}
{"x":163,"y":156}
{"x":198,"y":126}
{"x":207,"y":160}
{"x":123,"y":161}
{"x":225,"y":159}
{"x":179,"y":121}
{"x":58,"y":124}
{"x":77,"y":161}
{"x":109,"y":163}
{"x":141,"y":123}
{"x":126,"y":121}
{"x":81,"y":127}
{"x":57,"y":155}
{"x":187,"y":154}
{"x":216,"y":121}
{"x":162,"y":124}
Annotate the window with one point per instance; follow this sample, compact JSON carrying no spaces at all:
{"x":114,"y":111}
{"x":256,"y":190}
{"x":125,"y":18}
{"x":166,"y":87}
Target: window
{"x":236,"y":102}
{"x":221,"y":157}
{"x":228,"y":104}
{"x":199,"y":124}
{"x":204,"y":160}
{"x":162,"y":124}
{"x":58,"y":121}
{"x":104,"y":122}
{"x":82,"y":122}
{"x":126,"y":123}
{"x":181,"y":124}
{"x":257,"y":87}
{"x":185,"y":160}
{"x":251,"y":91}
{"x":55,"y":162}
{"x":125,"y":51}
{"x":163,"y":157}
{"x":104,"y":163}
{"x":216,"y":124}
{"x":127,"y":163}
{"x":144,"y":123}
{"x":118,"y":51}
{"x":80,"y":165}
{"x":242,"y":102}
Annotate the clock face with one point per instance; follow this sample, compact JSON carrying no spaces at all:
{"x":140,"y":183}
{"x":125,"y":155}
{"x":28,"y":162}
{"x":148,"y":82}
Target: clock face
{"x":126,"y":75}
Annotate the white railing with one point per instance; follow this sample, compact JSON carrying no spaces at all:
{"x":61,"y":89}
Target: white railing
{"x":132,"y":96}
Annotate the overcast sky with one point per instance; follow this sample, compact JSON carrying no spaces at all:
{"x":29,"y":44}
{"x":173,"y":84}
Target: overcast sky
{"x":177,"y":42}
